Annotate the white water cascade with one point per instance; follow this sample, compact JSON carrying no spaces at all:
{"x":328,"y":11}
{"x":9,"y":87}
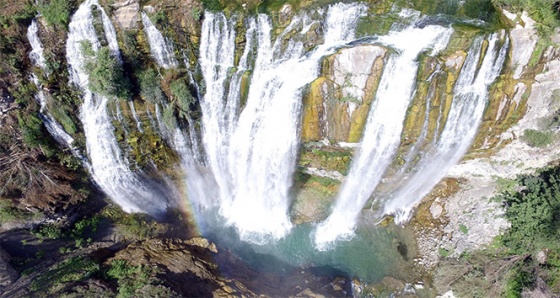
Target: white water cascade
{"x":37,"y":57}
{"x":199,"y":183}
{"x":469,"y":101}
{"x":160,"y":48}
{"x":252,"y":153}
{"x":383,"y":129}
{"x":110,"y":170}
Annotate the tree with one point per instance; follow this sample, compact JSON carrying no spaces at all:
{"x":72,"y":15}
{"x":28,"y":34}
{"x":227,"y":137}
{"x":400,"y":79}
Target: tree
{"x":106,"y":75}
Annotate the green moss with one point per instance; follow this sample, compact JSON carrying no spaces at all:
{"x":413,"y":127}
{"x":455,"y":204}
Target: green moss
{"x":535,"y":138}
{"x":330,"y":159}
{"x":375,"y":25}
{"x":148,"y":147}
{"x":542,"y":44}
{"x":463,"y":229}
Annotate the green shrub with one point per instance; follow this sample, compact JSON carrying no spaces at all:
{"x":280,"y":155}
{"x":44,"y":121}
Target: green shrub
{"x":55,"y":12}
{"x":150,"y":89}
{"x":169,"y":117}
{"x":542,"y":11}
{"x":181,"y":94}
{"x":48,"y":231}
{"x":130,"y":278}
{"x":137,"y":226}
{"x":32,"y":129}
{"x":517,"y":280}
{"x":534,"y":213}
{"x":535,"y":138}
{"x":106,"y":75}
{"x":84,"y":228}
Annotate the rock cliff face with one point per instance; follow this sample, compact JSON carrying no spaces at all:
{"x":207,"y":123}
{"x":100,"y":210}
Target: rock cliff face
{"x":338,"y":102}
{"x":524,"y":95}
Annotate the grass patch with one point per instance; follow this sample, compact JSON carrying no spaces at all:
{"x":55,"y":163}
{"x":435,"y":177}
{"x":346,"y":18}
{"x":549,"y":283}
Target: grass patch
{"x":535,"y":138}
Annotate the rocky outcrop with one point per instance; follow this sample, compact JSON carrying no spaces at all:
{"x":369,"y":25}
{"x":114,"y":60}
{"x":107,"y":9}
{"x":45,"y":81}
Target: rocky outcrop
{"x":126,"y":13}
{"x":338,"y":102}
{"x":186,"y":266}
{"x":469,"y":218}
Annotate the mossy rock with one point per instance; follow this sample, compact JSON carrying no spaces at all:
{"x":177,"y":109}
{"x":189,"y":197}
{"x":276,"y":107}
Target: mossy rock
{"x":311,"y":129}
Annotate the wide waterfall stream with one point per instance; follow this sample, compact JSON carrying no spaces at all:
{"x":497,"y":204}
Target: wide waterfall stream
{"x":240,"y":161}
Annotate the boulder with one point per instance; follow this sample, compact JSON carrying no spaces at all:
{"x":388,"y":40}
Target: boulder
{"x":126,"y":13}
{"x":337,"y":104}
{"x":198,"y":274}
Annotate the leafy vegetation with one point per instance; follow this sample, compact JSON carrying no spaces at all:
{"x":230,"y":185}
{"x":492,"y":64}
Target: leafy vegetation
{"x":327,"y":159}
{"x":181,"y":94}
{"x":150,"y":89}
{"x":527,"y":255}
{"x":56,"y":12}
{"x":130,"y":278}
{"x":132,"y":226}
{"x":105,"y":71}
{"x":48,"y":231}
{"x":536,"y":138}
{"x":544,"y":12}
{"x":463,"y":229}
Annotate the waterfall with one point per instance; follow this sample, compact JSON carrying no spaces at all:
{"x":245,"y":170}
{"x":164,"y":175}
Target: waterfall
{"x":161,"y":48}
{"x":53,"y":127}
{"x":469,"y":101}
{"x":37,"y":57}
{"x":252,"y":153}
{"x":198,"y":183}
{"x":383,"y":129}
{"x":36,"y":54}
{"x":110,"y":170}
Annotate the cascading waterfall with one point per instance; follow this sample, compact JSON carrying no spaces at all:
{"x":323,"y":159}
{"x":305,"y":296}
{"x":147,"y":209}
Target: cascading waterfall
{"x":469,"y":102}
{"x":161,"y":48}
{"x":36,"y":55}
{"x":253,"y":155}
{"x":250,"y":137}
{"x":53,"y":127}
{"x":198,"y":184}
{"x":383,"y":128}
{"x":109,"y":169}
